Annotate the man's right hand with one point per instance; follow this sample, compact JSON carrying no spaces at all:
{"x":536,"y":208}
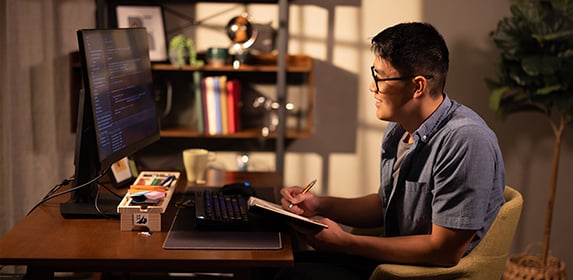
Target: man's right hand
{"x":302,"y":204}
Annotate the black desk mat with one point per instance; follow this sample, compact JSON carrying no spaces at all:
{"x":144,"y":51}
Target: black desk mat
{"x":184,"y":235}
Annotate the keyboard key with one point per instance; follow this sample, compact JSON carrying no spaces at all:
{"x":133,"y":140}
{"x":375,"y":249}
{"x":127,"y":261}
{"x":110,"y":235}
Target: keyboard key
{"x":215,"y":210}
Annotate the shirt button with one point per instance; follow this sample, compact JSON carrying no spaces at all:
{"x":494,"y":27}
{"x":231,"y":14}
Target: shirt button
{"x":424,"y":137}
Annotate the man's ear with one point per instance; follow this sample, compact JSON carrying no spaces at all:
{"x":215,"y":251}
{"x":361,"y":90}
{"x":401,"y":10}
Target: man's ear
{"x":420,"y":85}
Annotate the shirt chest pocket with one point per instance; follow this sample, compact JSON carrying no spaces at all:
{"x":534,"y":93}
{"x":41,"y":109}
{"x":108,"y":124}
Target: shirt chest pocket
{"x":416,"y":208}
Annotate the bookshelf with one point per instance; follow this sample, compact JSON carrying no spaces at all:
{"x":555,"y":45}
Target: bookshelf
{"x":262,"y":71}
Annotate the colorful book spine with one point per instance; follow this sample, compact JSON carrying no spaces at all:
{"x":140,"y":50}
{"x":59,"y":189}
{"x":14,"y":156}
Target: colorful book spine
{"x":217,"y":116}
{"x":234,"y":97}
{"x":224,"y":104}
{"x":198,"y":91}
{"x":212,"y":111}
{"x":221,"y":101}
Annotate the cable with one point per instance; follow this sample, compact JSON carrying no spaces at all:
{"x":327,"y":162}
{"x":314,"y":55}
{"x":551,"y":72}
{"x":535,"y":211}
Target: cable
{"x":52,"y":193}
{"x":99,"y":185}
{"x":96,"y":202}
{"x":109,"y":190}
{"x":58,"y":186}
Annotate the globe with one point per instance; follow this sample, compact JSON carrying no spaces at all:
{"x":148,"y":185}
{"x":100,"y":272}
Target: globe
{"x":240,"y":31}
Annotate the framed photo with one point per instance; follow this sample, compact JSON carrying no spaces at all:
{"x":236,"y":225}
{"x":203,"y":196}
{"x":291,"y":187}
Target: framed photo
{"x":150,"y":17}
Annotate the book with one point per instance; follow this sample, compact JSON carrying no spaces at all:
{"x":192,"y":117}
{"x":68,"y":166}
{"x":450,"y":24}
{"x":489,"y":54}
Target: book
{"x":223,"y":100}
{"x":211,"y":106}
{"x":216,"y":105}
{"x":261,"y":205}
{"x":217,"y":114}
{"x":198,"y":91}
{"x":204,"y":101}
{"x":234,"y":97}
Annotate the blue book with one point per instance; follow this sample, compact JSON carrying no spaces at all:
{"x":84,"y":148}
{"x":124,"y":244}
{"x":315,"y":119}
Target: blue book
{"x":218,"y":114}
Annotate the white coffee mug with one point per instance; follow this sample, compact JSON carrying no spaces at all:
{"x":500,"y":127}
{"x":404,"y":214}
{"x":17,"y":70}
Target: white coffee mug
{"x":195,"y":162}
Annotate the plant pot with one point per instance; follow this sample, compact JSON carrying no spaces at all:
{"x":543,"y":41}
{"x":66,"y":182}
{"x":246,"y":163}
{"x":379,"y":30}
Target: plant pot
{"x":179,"y":57}
{"x":527,"y":266}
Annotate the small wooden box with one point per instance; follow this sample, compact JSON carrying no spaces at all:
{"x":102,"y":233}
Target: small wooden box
{"x":136,"y":217}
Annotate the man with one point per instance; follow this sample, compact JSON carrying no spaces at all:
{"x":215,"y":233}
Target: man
{"x":441,"y":175}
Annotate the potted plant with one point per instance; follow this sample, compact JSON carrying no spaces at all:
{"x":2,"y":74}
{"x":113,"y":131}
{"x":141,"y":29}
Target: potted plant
{"x":535,"y":74}
{"x":182,"y":50}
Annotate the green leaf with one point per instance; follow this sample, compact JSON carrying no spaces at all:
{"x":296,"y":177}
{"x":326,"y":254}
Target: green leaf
{"x":548,"y":89}
{"x":511,"y":36}
{"x":563,"y":6}
{"x":540,"y":65}
{"x":527,"y":11}
{"x":495,"y":97}
{"x":542,"y":38}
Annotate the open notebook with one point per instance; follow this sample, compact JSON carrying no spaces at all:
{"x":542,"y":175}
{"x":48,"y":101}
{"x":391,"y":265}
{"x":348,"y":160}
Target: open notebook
{"x":272,"y":208}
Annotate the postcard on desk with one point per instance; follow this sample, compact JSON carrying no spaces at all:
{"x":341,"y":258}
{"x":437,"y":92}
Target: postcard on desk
{"x":260,"y":204}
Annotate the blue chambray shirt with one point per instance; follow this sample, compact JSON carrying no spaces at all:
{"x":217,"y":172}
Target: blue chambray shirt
{"x":453,"y":175}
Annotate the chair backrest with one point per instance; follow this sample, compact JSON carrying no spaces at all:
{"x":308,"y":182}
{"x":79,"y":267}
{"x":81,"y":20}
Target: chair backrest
{"x":485,"y":261}
{"x":498,"y":239}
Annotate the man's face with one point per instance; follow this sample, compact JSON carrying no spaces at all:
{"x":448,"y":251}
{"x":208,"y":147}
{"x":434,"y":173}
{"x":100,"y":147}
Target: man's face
{"x":393,"y":93}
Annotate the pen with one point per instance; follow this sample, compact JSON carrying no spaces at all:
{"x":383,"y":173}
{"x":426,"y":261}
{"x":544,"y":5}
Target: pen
{"x":167,"y":180}
{"x":305,"y":190}
{"x":155,"y":181}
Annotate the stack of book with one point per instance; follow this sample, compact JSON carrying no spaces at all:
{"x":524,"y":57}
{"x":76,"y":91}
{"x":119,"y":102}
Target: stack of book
{"x":218,"y":101}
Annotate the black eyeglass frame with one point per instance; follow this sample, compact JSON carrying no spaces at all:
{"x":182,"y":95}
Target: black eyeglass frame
{"x":376,"y":79}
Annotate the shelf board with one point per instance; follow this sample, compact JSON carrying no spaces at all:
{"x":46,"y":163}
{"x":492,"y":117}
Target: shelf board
{"x":198,"y":1}
{"x":243,"y":134}
{"x":260,"y":63}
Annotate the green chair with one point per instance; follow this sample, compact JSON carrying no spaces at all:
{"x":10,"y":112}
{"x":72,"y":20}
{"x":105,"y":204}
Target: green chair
{"x":485,"y":261}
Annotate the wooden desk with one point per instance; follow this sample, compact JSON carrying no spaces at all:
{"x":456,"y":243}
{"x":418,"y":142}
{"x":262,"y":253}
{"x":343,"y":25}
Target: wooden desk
{"x":47,"y":243}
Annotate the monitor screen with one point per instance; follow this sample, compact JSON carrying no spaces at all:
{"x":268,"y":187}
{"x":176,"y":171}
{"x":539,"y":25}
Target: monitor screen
{"x":116,"y":114}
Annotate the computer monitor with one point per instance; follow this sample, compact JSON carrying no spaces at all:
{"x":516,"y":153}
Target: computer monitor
{"x":116,"y":114}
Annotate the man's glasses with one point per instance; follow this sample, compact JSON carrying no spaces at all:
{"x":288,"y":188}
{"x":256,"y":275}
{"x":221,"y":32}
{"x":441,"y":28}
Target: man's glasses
{"x":376,"y":79}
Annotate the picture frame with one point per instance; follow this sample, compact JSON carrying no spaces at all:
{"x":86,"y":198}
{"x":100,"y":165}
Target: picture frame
{"x":150,"y":17}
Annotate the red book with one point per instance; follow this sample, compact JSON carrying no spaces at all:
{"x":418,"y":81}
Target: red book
{"x":234,"y":98}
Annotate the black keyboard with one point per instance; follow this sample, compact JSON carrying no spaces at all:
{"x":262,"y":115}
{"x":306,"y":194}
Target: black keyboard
{"x":215,"y":210}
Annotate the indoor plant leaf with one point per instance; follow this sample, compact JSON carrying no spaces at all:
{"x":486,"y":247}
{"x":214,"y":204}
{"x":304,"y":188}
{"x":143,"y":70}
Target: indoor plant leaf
{"x":540,"y":65}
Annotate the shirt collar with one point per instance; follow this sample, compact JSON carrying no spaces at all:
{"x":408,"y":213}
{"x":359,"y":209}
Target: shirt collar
{"x":435,"y":120}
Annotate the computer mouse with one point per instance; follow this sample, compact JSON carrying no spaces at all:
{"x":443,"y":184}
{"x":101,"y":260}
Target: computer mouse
{"x":242,"y":188}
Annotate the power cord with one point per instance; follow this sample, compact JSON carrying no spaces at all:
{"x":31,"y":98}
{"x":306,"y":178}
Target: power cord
{"x":109,"y":190}
{"x":53,"y":192}
{"x":58,"y":186}
{"x":96,"y":205}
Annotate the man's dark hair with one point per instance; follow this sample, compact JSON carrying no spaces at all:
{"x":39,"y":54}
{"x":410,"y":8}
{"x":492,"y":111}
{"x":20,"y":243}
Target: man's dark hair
{"x":414,"y":49}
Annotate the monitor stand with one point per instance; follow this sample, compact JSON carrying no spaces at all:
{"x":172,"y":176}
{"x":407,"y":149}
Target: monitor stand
{"x":106,"y":203}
